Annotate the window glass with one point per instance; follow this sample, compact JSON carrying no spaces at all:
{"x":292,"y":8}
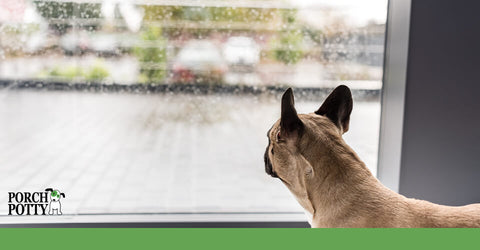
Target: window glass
{"x":132,"y":107}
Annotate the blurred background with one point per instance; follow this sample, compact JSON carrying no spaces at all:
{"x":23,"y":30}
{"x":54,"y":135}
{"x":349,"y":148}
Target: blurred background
{"x":172,"y":99}
{"x":205,"y":42}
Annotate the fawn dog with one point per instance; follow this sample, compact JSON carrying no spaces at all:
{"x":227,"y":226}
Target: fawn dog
{"x":308,"y":154}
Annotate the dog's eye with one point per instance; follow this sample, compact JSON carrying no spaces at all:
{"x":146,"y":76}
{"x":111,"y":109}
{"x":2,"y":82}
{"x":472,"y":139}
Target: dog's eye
{"x":278,"y":137}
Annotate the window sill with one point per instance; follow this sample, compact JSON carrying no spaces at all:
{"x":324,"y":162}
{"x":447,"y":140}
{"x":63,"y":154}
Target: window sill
{"x":202,"y":220}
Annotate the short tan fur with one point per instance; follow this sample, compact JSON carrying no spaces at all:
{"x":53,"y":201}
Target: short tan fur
{"x":308,"y":154}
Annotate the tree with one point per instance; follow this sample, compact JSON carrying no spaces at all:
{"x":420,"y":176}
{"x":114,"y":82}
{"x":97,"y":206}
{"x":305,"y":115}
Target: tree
{"x":152,"y":55}
{"x":288,"y":44}
{"x":65,"y":10}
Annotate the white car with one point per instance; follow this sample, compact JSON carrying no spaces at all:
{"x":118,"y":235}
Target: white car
{"x":75,"y":42}
{"x":199,"y":61}
{"x":104,"y":43}
{"x":241,"y":51}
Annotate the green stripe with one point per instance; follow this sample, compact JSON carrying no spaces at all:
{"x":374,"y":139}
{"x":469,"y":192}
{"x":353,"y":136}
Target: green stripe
{"x":119,"y":238}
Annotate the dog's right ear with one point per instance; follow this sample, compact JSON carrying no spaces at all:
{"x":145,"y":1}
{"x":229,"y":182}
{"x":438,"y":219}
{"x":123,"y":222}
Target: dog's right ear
{"x":338,"y":107}
{"x":290,"y":124}
{"x":49,"y":190}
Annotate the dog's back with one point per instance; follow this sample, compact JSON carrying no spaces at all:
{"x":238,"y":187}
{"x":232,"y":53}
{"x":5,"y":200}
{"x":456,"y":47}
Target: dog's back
{"x":400,"y":211}
{"x":432,"y":215}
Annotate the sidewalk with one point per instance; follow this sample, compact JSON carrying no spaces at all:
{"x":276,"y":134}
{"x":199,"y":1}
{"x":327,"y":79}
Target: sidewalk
{"x":126,"y":153}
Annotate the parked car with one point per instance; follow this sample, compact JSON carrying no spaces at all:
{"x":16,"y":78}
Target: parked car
{"x":75,"y":42}
{"x":241,"y":52}
{"x":83,"y":42}
{"x":104,"y":44}
{"x":199,"y":61}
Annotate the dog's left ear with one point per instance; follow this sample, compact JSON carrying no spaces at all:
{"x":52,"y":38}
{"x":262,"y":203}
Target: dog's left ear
{"x":290,"y":124}
{"x":338,"y":107}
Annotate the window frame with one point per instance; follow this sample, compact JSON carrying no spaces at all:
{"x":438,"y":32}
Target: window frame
{"x":389,"y":150}
{"x":393,"y":93}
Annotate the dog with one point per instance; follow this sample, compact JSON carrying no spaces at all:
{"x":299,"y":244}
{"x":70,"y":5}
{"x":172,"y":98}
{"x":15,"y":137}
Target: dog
{"x":55,"y":206}
{"x":308,"y":154}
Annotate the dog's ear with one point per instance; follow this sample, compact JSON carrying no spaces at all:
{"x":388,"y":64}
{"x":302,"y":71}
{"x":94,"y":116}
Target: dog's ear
{"x":62,"y":194}
{"x":49,"y":189}
{"x":290,"y":124}
{"x":337,"y":107}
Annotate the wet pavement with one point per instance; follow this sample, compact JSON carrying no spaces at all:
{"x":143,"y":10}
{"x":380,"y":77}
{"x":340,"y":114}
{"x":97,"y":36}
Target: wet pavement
{"x":159,"y":153}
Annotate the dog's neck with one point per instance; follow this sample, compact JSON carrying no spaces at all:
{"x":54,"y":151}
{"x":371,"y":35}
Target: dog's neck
{"x":339,"y":182}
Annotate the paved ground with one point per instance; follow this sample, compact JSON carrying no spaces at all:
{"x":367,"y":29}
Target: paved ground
{"x":126,"y":153}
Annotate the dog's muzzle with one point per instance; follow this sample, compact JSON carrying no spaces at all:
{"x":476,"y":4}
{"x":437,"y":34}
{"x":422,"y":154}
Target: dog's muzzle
{"x":268,"y":165}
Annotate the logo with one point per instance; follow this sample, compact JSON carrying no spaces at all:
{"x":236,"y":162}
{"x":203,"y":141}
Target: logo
{"x":35,"y":203}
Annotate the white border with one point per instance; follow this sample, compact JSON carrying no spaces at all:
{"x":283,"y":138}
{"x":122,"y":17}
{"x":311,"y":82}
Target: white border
{"x":393,"y":93}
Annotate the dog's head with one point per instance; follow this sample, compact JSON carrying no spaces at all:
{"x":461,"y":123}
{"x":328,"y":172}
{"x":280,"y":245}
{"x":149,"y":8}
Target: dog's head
{"x":297,"y":142}
{"x":55,"y":194}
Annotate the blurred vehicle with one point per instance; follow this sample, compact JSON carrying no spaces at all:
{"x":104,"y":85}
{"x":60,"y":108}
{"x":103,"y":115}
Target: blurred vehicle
{"x":241,"y":52}
{"x":199,"y":61}
{"x":81,"y":42}
{"x":36,"y":42}
{"x":103,"y":44}
{"x":74,"y":42}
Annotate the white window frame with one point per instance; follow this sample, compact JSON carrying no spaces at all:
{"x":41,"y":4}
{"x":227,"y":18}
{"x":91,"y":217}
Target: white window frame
{"x":393,"y":93}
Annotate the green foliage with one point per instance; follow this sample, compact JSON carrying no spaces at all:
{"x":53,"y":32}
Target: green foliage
{"x":156,"y":12}
{"x":288,"y":44}
{"x":96,"y":73}
{"x":153,"y":13}
{"x":153,"y":56}
{"x":15,"y":29}
{"x":69,"y":73}
{"x":287,"y":48}
{"x":207,"y":14}
{"x":67,"y":10}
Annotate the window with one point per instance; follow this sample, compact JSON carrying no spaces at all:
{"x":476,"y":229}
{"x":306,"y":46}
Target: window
{"x":144,"y":107}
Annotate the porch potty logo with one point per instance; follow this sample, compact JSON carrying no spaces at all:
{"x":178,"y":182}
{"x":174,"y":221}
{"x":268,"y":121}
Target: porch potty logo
{"x":35,"y":203}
